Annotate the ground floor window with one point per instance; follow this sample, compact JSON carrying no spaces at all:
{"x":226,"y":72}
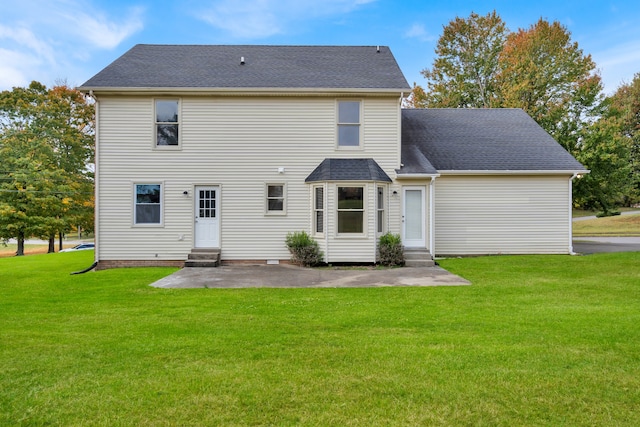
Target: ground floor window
{"x":148,"y":204}
{"x":318,"y":210}
{"x":380,"y":202}
{"x":275,"y":199}
{"x":350,"y":209}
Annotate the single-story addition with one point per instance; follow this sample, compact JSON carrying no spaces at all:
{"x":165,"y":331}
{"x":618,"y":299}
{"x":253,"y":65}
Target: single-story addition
{"x":224,"y":150}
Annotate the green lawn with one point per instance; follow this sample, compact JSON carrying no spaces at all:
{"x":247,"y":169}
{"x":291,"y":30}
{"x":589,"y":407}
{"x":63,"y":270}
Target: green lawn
{"x":536,"y":340}
{"x":621,"y":225}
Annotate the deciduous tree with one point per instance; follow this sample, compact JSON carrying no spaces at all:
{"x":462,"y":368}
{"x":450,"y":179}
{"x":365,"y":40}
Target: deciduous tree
{"x":605,"y":152}
{"x":46,"y":147}
{"x":464,"y":71}
{"x":626,"y":102}
{"x":547,"y":75}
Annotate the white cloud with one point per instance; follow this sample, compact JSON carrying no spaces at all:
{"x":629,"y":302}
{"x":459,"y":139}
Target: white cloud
{"x":40,"y":39}
{"x":418,"y":31}
{"x":11,"y":63}
{"x":27,"y":39}
{"x":102,"y":33}
{"x":252,"y":19}
{"x":618,"y":65}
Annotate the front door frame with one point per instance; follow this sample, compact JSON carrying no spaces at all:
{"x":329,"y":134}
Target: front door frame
{"x":416,"y":242}
{"x":214,"y":242}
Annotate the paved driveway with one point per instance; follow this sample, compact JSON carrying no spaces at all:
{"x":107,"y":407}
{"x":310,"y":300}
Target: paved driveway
{"x":592,"y":245}
{"x":288,"y":276}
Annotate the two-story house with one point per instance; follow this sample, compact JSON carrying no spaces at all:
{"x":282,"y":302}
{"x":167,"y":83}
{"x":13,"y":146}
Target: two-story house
{"x":232,"y":147}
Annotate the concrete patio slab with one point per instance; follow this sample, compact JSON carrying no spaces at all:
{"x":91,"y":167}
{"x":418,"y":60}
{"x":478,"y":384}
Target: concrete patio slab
{"x":288,"y":276}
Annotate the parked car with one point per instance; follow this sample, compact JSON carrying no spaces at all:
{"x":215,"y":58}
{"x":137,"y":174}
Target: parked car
{"x":80,"y":247}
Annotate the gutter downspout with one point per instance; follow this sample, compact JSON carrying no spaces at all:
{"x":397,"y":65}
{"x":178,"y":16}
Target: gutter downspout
{"x":571,"y":252}
{"x":432,"y":210}
{"x":399,"y":132}
{"x":96,"y":219}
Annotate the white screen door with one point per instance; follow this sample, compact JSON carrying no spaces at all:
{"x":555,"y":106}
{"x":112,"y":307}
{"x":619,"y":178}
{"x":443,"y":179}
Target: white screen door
{"x":207,"y":227}
{"x":413,"y":219}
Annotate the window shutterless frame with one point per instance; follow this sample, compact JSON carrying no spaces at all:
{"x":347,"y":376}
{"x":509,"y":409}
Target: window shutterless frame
{"x":350,"y":210}
{"x":148,"y":204}
{"x":275,"y":199}
{"x":318,"y":210}
{"x":349,"y":124}
{"x":381,"y":202}
{"x":167,"y":123}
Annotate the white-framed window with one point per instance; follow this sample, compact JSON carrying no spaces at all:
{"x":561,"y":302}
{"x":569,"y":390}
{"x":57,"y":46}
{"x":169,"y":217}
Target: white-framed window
{"x":350,"y":210}
{"x":380,"y":203}
{"x":167,"y":123}
{"x":349,"y":134}
{"x":318,"y":210}
{"x":276,"y":199}
{"x":147,"y":204}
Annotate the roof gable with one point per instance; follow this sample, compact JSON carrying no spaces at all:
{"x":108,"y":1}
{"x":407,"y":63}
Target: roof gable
{"x":280,"y":67}
{"x":479,"y":140}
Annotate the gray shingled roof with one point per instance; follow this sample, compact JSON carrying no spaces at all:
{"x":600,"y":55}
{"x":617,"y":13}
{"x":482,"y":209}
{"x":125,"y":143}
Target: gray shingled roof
{"x":348,"y":170}
{"x":218,"y":66}
{"x":479,"y":139}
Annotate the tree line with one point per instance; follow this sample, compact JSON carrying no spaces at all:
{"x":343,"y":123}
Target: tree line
{"x":46,"y":163}
{"x":480,"y":63}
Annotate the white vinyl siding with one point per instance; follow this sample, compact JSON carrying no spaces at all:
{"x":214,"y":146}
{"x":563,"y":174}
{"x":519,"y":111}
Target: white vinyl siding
{"x":502,"y":215}
{"x":239,"y":144}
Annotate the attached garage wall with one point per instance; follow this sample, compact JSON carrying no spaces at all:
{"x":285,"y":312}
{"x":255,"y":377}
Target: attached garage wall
{"x":502,"y":215}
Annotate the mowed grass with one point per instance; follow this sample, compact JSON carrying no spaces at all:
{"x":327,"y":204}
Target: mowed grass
{"x":622,"y":225}
{"x":10,"y":249}
{"x":536,"y":340}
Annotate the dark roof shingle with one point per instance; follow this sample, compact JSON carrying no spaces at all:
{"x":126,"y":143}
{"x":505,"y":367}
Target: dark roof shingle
{"x":218,"y":66}
{"x":348,"y":170}
{"x":491,"y":139}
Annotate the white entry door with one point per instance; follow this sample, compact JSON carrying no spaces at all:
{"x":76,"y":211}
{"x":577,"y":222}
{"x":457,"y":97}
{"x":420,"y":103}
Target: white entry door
{"x":413,"y":219}
{"x":207,"y":227}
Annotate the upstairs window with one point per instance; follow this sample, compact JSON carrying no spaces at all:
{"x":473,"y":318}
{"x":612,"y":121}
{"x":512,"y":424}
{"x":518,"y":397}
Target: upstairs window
{"x":348,"y":123}
{"x":167,"y":122}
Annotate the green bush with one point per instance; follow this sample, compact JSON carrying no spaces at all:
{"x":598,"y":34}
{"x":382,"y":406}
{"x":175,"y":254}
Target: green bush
{"x":390,"y":250}
{"x":304,"y":249}
{"x":607,"y":213}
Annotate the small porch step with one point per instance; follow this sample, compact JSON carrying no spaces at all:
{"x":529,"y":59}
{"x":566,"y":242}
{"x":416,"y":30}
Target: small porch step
{"x":418,"y":257}
{"x":203,"y":258}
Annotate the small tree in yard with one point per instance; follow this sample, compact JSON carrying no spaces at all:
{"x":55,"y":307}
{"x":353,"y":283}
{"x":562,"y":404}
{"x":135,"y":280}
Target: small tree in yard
{"x":391,"y":250}
{"x":304,"y":249}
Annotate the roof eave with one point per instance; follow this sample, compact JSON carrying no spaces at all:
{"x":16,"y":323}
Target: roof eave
{"x":416,"y":175}
{"x":244,"y":90}
{"x":516,"y":172}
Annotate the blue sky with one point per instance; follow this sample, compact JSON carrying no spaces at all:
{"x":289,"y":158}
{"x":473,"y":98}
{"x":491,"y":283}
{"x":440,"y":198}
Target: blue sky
{"x":71,"y":40}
